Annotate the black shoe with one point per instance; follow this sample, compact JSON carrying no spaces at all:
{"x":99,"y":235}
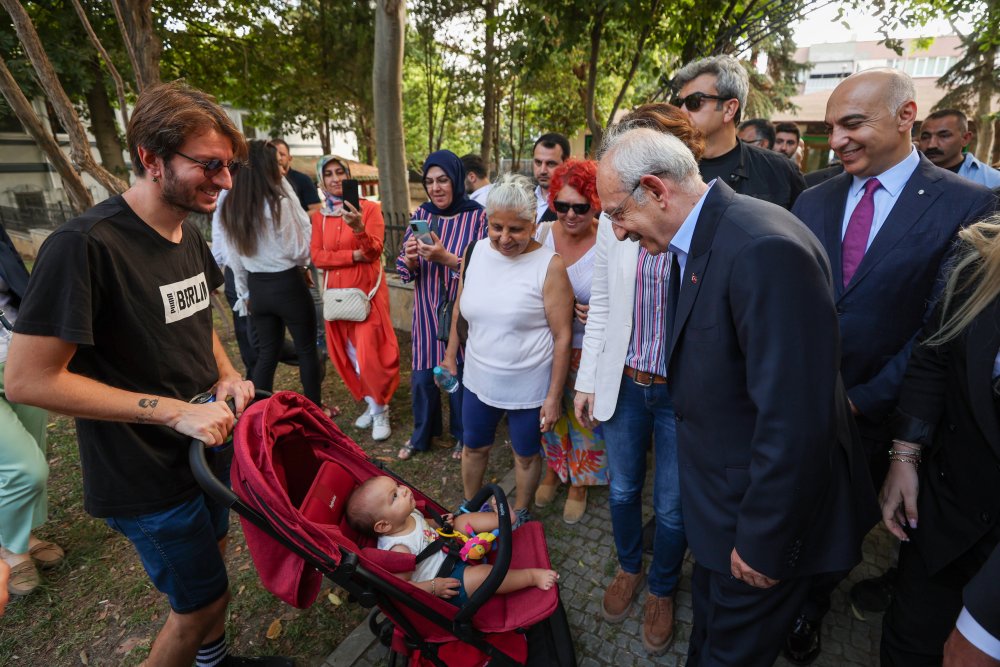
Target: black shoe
{"x":802,"y":646}
{"x":648,"y":534}
{"x":263,"y":661}
{"x":873,"y":595}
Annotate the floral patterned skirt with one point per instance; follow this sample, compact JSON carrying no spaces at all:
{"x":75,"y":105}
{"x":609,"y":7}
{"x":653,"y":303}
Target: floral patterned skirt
{"x":573,"y":451}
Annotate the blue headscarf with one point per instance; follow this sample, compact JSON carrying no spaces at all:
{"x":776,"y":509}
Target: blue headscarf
{"x":454,"y":170}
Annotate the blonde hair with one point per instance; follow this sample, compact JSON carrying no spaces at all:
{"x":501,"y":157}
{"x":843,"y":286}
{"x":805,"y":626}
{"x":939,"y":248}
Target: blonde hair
{"x":976,"y":272}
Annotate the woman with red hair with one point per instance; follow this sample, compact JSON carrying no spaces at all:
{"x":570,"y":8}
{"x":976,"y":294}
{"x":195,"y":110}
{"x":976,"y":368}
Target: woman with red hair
{"x":575,"y":454}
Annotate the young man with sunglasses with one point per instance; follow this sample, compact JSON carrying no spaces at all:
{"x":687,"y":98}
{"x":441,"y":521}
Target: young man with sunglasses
{"x":115,"y":329}
{"x":713,"y":92}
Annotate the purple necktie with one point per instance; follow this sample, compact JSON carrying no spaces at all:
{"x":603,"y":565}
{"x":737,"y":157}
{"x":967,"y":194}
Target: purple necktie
{"x":858,"y":229}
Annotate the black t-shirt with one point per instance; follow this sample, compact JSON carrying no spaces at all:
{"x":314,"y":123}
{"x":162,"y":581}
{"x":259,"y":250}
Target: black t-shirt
{"x":722,"y":167}
{"x":304,"y":188}
{"x":955,"y":169}
{"x":137,"y":307}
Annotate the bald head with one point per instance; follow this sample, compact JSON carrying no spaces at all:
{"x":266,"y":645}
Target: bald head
{"x":870,"y":116}
{"x":893,"y":86}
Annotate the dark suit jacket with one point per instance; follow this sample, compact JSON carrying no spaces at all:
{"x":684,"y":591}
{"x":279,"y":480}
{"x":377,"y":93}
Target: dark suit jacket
{"x":821,"y":175}
{"x":769,"y":460}
{"x":887,"y":301}
{"x":12,"y":268}
{"x":946,"y":404}
{"x":982,"y":595}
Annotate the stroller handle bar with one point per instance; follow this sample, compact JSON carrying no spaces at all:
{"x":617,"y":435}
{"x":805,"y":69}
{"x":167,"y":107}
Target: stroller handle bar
{"x":203,"y":474}
{"x":502,"y":562}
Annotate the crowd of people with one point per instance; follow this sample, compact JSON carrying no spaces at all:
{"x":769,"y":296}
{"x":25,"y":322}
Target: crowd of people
{"x":794,"y":355}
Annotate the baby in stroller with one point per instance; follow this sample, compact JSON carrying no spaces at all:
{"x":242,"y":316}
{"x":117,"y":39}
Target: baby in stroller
{"x":382,"y":508}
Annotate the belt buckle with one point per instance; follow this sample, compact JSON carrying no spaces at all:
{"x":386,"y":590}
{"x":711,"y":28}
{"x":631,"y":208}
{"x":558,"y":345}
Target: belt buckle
{"x":648,"y":383}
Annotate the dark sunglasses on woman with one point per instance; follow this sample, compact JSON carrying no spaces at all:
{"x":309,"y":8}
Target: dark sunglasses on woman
{"x":694,"y":101}
{"x":565,"y":206}
{"x":215,"y":165}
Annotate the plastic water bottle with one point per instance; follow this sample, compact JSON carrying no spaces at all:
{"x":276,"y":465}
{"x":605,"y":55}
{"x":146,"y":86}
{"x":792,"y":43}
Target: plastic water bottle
{"x":445,"y":380}
{"x":6,"y":328}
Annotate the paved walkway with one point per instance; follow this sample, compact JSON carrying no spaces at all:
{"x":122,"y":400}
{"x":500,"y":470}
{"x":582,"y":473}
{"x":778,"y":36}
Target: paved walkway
{"x":584,"y":555}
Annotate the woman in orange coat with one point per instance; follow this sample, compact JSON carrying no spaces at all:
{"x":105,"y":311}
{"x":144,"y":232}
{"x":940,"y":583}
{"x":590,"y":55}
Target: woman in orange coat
{"x":347,"y":249}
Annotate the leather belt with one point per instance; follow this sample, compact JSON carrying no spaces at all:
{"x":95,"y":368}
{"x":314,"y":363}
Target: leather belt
{"x":644,"y":379}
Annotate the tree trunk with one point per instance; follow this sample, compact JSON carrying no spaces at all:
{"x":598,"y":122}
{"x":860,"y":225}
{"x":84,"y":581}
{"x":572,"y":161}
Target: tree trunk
{"x":387,"y":89}
{"x":102,"y":125}
{"x":79,"y":197}
{"x":79,"y":142}
{"x":987,"y":87}
{"x":135,"y":18}
{"x":489,"y":82}
{"x":428,"y":45}
{"x":596,"y":131}
{"x":119,"y":84}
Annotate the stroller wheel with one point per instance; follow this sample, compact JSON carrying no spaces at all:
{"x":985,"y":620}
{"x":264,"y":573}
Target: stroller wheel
{"x":382,"y":629}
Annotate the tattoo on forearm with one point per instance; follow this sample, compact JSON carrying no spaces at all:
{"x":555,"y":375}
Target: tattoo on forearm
{"x":149,"y":406}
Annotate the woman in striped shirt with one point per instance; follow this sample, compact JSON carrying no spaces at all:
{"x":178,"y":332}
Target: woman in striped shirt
{"x":454,"y":221}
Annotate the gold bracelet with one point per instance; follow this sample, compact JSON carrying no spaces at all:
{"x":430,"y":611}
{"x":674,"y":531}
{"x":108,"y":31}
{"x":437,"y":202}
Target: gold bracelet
{"x":433,"y":583}
{"x":905,"y":459}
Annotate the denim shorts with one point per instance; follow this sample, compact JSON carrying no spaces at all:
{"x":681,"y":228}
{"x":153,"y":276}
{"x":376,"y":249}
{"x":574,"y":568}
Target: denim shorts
{"x":179,"y":547}
{"x":479,"y":425}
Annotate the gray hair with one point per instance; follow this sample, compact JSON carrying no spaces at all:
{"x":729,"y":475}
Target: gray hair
{"x":513,"y":192}
{"x":635,"y":152}
{"x":901,"y":90}
{"x":731,"y":79}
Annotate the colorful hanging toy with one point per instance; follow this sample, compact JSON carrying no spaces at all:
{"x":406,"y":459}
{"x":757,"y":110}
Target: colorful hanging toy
{"x":475,"y":546}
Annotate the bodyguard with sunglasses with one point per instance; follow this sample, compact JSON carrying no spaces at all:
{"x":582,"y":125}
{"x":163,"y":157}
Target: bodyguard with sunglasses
{"x":713,"y":93}
{"x":115,"y":328}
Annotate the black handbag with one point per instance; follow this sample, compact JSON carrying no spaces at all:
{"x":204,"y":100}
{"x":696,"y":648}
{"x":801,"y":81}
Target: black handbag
{"x":446,"y":307}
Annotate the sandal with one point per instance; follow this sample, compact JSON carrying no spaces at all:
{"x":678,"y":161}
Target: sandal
{"x":456,"y":451}
{"x":407,"y":452}
{"x":331,"y":411}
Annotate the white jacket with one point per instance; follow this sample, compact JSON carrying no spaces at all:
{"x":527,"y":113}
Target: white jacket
{"x":609,"y":321}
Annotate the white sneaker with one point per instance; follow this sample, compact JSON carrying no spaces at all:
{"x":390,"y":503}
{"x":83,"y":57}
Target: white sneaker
{"x":380,"y":426}
{"x":365,"y":420}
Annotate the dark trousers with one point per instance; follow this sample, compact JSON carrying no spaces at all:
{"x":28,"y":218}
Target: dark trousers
{"x":246,"y":336}
{"x":875,"y":440}
{"x":426,"y":399}
{"x":737,"y":624}
{"x":279,"y":300}
{"x":924,"y":606}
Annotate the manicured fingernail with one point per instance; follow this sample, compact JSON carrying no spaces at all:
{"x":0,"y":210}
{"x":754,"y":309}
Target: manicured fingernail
{"x":913,"y":523}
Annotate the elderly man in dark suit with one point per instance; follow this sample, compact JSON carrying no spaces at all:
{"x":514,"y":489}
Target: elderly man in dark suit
{"x":773,"y":486}
{"x":886,"y":223}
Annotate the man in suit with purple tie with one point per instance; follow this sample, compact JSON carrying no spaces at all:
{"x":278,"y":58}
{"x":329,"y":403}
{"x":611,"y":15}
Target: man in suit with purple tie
{"x":886,"y":224}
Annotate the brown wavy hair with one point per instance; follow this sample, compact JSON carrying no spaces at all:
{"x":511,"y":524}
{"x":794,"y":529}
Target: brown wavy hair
{"x":668,"y":119}
{"x":168,"y":114}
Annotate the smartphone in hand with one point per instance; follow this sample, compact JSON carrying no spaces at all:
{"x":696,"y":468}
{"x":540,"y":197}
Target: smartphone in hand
{"x":350,"y":187}
{"x":421,"y":230}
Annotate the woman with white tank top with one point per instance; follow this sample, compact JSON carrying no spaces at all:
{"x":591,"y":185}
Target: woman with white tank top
{"x":518,"y":300}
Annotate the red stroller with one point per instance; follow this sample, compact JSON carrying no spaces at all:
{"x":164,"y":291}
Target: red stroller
{"x":293,"y":470}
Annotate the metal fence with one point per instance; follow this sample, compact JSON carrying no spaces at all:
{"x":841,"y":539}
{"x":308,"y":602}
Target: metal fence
{"x":24,"y":218}
{"x":396,"y":225}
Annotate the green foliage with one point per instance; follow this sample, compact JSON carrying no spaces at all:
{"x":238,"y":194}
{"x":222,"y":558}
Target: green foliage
{"x":71,"y":58}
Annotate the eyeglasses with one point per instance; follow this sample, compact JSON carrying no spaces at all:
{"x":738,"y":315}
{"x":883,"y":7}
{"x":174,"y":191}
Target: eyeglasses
{"x":565,"y":206}
{"x":694,"y":101}
{"x":215,"y":165}
{"x":440,"y":180}
{"x":618,"y":211}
